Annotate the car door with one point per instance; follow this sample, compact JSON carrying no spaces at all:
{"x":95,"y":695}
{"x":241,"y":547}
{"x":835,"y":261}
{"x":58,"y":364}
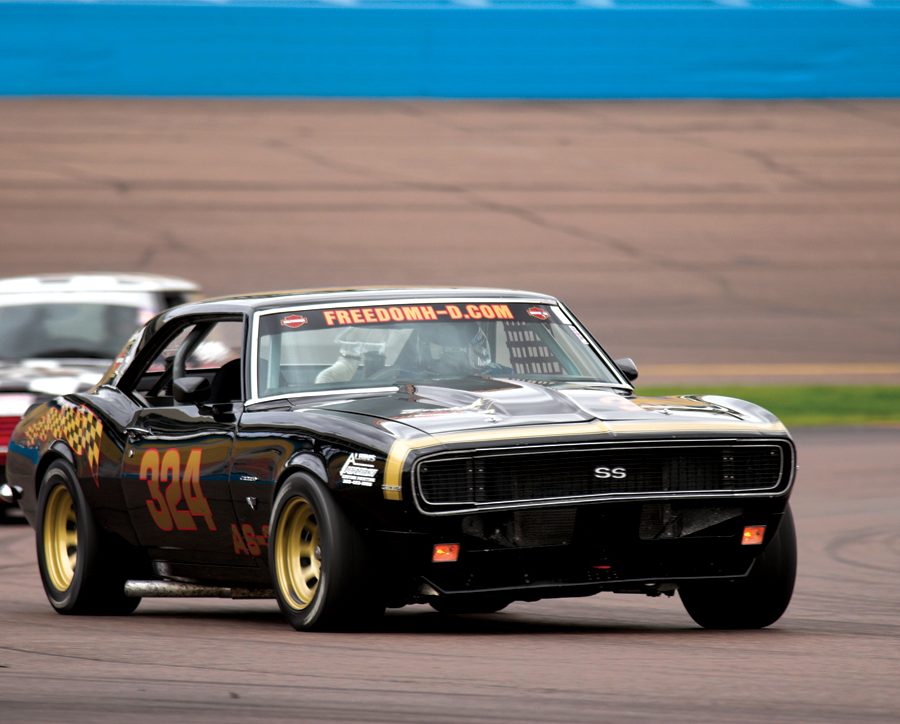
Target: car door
{"x":177,"y":455}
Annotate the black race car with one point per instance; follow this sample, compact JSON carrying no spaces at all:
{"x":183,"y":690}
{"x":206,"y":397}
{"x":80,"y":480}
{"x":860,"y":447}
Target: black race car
{"x":347,"y":451}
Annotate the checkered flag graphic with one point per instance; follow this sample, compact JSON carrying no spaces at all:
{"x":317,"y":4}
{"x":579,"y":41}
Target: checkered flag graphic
{"x":78,"y":426}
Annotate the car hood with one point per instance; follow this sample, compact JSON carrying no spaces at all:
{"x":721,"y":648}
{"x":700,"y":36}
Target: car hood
{"x":51,"y":377}
{"x":479,"y":404}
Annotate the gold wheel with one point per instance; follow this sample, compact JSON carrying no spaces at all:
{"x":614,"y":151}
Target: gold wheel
{"x":60,"y":538}
{"x":298,"y":553}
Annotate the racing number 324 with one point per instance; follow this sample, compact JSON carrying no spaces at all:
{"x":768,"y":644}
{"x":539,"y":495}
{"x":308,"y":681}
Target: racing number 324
{"x":168,"y":487}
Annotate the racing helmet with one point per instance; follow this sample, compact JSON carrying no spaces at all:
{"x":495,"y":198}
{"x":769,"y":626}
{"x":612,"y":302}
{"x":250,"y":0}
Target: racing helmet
{"x":450,"y":348}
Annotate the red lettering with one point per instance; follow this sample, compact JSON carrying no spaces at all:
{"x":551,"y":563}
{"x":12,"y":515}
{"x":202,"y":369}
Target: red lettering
{"x":164,"y":503}
{"x":159,"y":510}
{"x":196,"y":501}
{"x":237,"y":540}
{"x":418,"y":313}
{"x":170,"y":470}
{"x":250,"y":538}
{"x":247,"y":541}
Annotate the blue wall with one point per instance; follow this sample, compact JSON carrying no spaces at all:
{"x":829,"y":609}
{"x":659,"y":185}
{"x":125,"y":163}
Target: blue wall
{"x":498,"y":49}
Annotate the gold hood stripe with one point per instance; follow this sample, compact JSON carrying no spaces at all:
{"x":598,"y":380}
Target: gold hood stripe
{"x":629,"y":426}
{"x":392,"y":488}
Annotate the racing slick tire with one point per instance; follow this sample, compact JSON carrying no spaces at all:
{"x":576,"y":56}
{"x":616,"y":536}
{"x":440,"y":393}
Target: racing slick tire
{"x":82,"y":570}
{"x":755,"y":601}
{"x":453,"y":605}
{"x":319,"y":562}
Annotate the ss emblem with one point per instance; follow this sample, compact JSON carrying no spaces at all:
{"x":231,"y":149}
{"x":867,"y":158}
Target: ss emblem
{"x":607,"y":473}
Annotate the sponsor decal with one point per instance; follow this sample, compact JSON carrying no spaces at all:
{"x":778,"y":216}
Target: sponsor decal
{"x":414,"y":313}
{"x":78,"y":426}
{"x":359,"y":469}
{"x":169,"y":487}
{"x":539,"y":313}
{"x":247,"y":542}
{"x":293,"y":321}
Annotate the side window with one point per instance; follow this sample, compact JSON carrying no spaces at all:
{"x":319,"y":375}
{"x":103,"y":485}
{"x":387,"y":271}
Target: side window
{"x":213,"y":351}
{"x":155,"y":382}
{"x":166,"y":355}
{"x":221,"y":345}
{"x":218,"y":358}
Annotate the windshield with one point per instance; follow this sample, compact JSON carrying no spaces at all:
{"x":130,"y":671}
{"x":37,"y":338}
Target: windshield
{"x":322,"y":349}
{"x":69,"y":326}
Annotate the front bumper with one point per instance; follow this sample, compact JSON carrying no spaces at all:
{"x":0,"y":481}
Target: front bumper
{"x":640,"y":547}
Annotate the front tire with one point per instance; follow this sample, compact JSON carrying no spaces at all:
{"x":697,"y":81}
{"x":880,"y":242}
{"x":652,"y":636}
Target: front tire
{"x":81,"y":570}
{"x":756,"y":601}
{"x":319,"y":561}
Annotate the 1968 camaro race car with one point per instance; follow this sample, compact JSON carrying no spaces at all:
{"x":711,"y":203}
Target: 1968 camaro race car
{"x":347,"y":451}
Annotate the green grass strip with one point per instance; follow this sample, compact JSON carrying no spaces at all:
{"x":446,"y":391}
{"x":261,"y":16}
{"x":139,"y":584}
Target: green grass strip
{"x":807,"y":405}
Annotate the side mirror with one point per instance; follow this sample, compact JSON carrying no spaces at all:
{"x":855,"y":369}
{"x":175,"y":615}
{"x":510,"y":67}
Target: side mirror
{"x":191,"y":389}
{"x":628,"y":368}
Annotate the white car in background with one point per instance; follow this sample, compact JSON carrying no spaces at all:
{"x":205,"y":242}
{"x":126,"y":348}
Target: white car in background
{"x":59,"y":332}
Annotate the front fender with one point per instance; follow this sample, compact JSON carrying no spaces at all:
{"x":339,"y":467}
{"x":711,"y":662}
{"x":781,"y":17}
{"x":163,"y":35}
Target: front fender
{"x":302,"y":462}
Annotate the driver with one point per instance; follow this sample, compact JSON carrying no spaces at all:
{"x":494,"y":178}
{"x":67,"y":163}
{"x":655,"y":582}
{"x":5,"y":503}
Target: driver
{"x":454,"y":349}
{"x":344,"y":367}
{"x":356,"y":347}
{"x":438,"y":349}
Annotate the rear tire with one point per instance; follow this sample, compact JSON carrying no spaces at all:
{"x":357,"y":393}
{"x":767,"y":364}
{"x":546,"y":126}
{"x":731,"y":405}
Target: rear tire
{"x":81,"y":568}
{"x":756,"y":601}
{"x":319,"y":562}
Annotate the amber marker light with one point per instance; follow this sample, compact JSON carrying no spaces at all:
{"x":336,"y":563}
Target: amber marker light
{"x":445,"y":553}
{"x":753,"y":535}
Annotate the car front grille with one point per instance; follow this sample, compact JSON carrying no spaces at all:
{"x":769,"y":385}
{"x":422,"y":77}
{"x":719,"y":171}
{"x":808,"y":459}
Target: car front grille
{"x":498,"y":478}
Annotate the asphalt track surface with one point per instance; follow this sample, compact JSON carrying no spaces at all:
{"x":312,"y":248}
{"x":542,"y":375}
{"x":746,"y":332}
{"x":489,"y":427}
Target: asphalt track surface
{"x":834,"y":656}
{"x":700,"y":235}
{"x":691,"y":236}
